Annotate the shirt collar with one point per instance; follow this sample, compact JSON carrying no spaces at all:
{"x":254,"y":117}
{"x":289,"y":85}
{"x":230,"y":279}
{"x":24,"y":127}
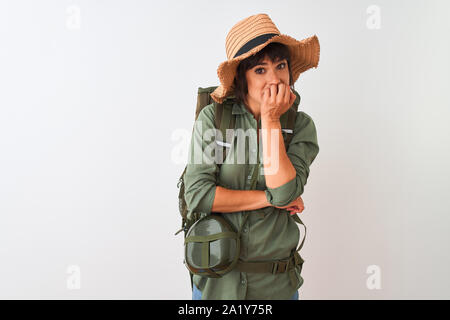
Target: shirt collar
{"x":238,"y":109}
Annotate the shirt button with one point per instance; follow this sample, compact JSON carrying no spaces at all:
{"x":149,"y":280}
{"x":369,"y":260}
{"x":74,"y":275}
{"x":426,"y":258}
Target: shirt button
{"x":243,"y":282}
{"x":245,"y":230}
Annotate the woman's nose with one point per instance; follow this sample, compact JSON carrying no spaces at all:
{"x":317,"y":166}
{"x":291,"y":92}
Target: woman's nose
{"x":273,"y":77}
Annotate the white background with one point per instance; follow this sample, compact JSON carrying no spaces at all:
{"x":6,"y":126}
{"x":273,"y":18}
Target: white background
{"x":95,"y":95}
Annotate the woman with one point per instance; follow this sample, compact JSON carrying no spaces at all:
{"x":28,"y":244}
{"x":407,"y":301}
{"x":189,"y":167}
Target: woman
{"x":261,"y":69}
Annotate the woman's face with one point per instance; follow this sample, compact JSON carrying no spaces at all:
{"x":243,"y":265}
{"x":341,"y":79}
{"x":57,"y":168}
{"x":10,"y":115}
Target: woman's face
{"x":262,"y":75}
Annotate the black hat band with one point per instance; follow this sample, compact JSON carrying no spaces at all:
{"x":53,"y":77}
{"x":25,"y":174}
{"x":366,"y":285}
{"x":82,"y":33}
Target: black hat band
{"x":254,"y":43}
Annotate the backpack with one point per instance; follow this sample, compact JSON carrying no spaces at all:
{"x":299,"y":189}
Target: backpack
{"x":224,"y":119}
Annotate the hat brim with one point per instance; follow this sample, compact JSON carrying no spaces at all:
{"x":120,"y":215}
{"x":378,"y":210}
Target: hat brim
{"x":305,"y":54}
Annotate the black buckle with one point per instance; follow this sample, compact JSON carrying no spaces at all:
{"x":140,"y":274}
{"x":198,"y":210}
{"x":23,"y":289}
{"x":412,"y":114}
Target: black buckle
{"x":280,"y":266}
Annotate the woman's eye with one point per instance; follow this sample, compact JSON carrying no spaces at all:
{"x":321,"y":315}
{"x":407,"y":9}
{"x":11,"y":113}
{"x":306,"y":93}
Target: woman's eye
{"x":280,"y":66}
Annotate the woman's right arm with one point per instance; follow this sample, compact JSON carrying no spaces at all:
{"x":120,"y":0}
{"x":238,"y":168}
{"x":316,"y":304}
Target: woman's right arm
{"x":228,"y":200}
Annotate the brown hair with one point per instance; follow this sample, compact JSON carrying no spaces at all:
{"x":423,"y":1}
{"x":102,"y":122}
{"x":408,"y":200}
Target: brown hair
{"x":275,"y":51}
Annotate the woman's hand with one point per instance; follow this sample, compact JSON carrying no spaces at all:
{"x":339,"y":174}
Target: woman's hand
{"x":295,"y":206}
{"x":276,"y":100}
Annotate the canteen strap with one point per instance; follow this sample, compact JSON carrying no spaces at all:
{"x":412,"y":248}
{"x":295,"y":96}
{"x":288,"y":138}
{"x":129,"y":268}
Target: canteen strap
{"x":211,"y":237}
{"x":274,"y":267}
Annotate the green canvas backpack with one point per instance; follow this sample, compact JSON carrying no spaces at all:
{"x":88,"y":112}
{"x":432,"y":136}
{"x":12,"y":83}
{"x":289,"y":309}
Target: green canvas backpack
{"x":224,"y":119}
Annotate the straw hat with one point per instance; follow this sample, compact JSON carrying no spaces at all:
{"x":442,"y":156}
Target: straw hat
{"x":251,"y":35}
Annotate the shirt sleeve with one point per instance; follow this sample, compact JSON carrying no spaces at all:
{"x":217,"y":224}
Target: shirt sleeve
{"x":200,"y":176}
{"x":302,"y":151}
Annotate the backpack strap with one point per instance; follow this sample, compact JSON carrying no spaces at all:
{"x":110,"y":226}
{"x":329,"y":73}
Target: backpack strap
{"x":203,"y":99}
{"x":224,"y":119}
{"x":287,"y":121}
{"x":299,"y":221}
{"x":223,"y":115}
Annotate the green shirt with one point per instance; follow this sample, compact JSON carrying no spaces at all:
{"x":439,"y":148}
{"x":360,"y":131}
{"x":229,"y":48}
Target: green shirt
{"x":269,"y":233}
